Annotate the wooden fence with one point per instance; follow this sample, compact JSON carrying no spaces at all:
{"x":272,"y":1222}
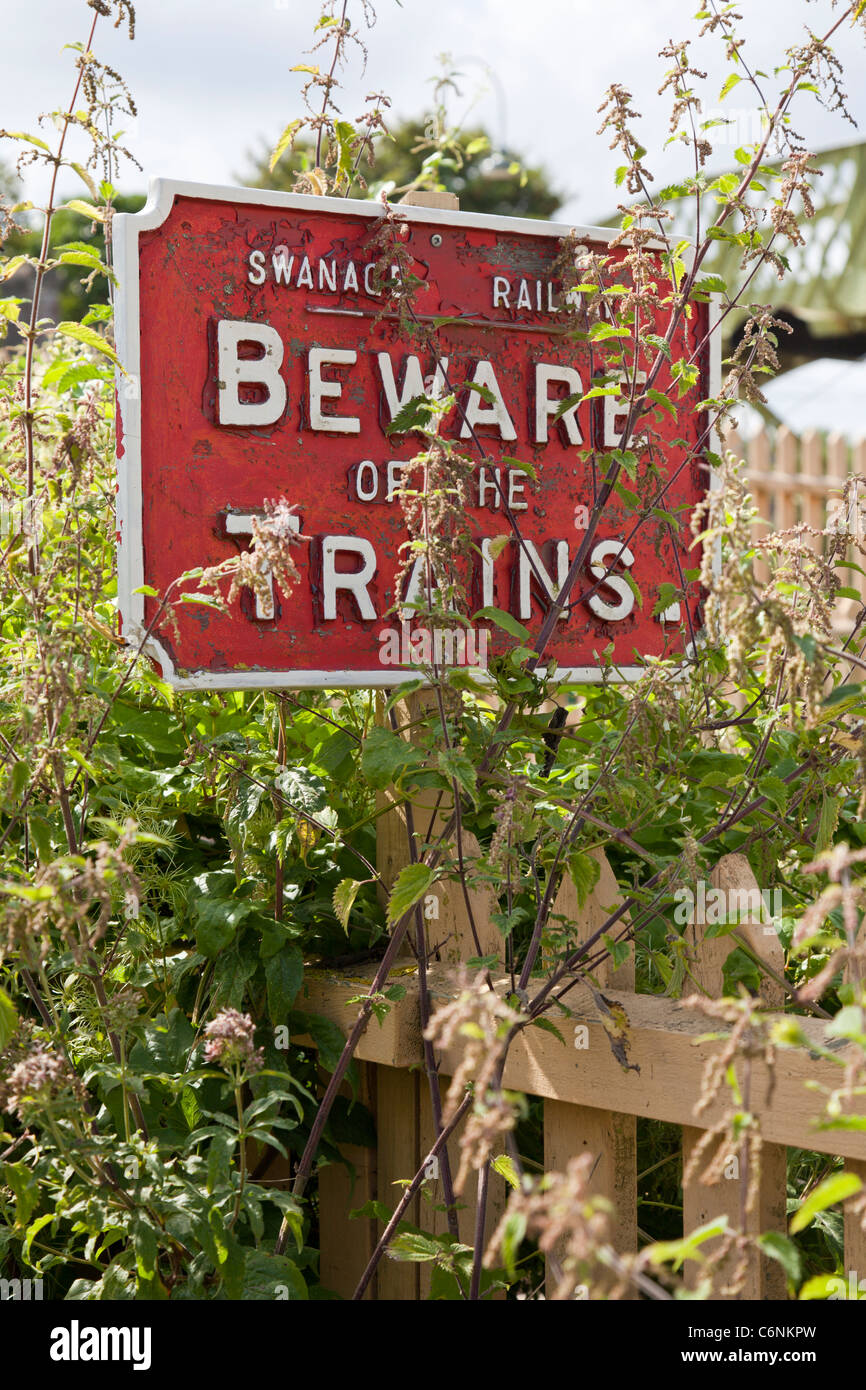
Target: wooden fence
{"x":799,"y":480}
{"x":591,"y":1104}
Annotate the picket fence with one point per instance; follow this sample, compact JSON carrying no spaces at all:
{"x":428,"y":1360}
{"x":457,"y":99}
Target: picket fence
{"x":591,"y":1104}
{"x":798,"y":480}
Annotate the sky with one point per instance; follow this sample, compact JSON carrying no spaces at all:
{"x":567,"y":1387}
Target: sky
{"x":212,"y":78}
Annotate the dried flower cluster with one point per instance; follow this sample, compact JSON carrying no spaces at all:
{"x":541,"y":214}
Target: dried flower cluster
{"x":269,"y":559}
{"x":231,"y":1041}
{"x":75,"y":896}
{"x":481,"y":1022}
{"x":570,"y":1225}
{"x":38,"y":1080}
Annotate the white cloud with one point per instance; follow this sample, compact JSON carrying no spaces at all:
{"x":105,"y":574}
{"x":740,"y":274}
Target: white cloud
{"x":212,"y":76}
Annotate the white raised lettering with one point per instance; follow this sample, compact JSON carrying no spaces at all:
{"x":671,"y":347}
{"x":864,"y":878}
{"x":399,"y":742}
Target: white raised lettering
{"x":413,"y":382}
{"x":616,"y":409}
{"x":478,"y":412}
{"x":319,"y":389}
{"x":395,"y":477}
{"x":602,"y":554}
{"x":354,"y":583}
{"x":526,"y":575}
{"x":487,"y":599}
{"x":501,"y":292}
{"x":282,"y":263}
{"x":367,"y":494}
{"x":261,"y":371}
{"x":515,"y":490}
{"x":484,"y":487}
{"x":545,"y":373}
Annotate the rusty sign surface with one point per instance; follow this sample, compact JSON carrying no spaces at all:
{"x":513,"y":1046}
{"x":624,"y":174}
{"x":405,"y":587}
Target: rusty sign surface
{"x":259,"y":365}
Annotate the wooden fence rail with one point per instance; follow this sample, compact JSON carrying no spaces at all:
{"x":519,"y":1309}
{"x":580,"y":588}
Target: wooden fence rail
{"x":590,"y":1102}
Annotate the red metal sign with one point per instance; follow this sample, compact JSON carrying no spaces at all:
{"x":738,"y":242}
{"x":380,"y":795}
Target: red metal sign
{"x":260,"y":365}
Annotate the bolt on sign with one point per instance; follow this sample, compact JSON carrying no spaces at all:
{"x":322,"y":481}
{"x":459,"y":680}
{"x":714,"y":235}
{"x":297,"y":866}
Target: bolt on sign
{"x":264,"y":360}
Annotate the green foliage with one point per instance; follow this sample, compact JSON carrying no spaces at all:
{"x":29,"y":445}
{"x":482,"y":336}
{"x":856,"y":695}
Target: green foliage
{"x":172,"y":862}
{"x":484,"y":178}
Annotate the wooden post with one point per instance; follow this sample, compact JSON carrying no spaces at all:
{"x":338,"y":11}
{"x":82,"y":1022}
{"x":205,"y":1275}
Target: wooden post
{"x":814,"y":485}
{"x":346,"y":1246}
{"x":702,"y":1203}
{"x":837,"y":471}
{"x":575,"y":1129}
{"x":759,"y":467}
{"x":398,"y":1107}
{"x":404,"y":1112}
{"x":854,"y":1234}
{"x":784,"y":486}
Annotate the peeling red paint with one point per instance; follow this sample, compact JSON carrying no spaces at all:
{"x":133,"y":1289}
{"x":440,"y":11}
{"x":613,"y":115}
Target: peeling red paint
{"x":194,"y":271}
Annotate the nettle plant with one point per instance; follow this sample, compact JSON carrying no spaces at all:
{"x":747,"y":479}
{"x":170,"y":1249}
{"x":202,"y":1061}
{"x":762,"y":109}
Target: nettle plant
{"x":170,"y":861}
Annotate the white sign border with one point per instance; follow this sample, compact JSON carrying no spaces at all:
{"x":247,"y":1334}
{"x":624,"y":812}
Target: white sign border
{"x":126,"y":228}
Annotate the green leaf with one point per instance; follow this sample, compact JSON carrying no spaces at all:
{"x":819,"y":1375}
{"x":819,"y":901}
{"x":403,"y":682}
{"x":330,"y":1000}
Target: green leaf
{"x":830,"y":808}
{"x":217,"y":922}
{"x":245,"y":803}
{"x":90,"y":338}
{"x":345,"y":894}
{"x":497,"y":545}
{"x":689,"y":1248}
{"x":268,"y":1277}
{"x":8,"y":1018}
{"x":31,"y":139}
{"x":146,"y":1248}
{"x":385,"y":757}
{"x":455,"y":763}
{"x":86,"y":209}
{"x":284,"y":974}
{"x":415,"y":414}
{"x":832,"y":1190}
{"x":219,"y":1159}
{"x":345,"y":133}
{"x":503,"y":1164}
{"x":730,"y":83}
{"x":371,"y":1211}
{"x":333,"y":750}
{"x":821,"y":1286}
{"x":808,"y":645}
{"x":410,"y":886}
{"x":775,"y":790}
{"x":513,"y":1234}
{"x":504,"y":620}
{"x":668,"y":594}
{"x":33,"y":1230}
{"x":327,"y":1036}
{"x":584,"y":871}
{"x":664,"y":401}
{"x":548,"y":1026}
{"x":778,"y":1247}
{"x":25,"y":1189}
{"x":410,"y":1246}
{"x":659,"y":343}
{"x":633,"y":585}
{"x":619,"y":951}
{"x":843,"y":692}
